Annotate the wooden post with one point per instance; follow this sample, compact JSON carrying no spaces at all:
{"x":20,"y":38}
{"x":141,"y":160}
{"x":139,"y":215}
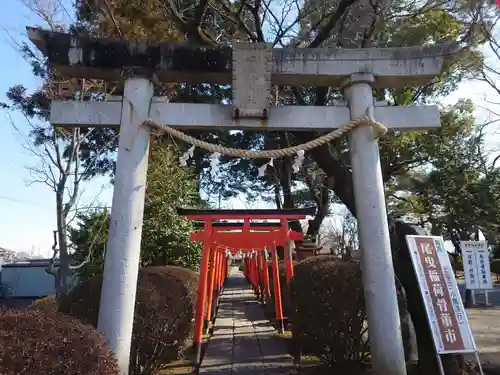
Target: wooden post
{"x":211,"y":282}
{"x":200,"y":304}
{"x":252,"y":271}
{"x":262,"y":278}
{"x":277,"y":291}
{"x":220,"y":276}
{"x":288,"y":265}
{"x":225,"y":272}
{"x":245,"y":269}
{"x":257,"y":274}
{"x":266,"y":275}
{"x":287,"y":251}
{"x":220,"y":271}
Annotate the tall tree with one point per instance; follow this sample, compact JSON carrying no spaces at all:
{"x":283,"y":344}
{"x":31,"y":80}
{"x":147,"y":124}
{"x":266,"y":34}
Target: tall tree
{"x":89,"y":237}
{"x":330,"y":23}
{"x":488,"y":22}
{"x":165,"y":235}
{"x":455,"y":193}
{"x":64,"y":155}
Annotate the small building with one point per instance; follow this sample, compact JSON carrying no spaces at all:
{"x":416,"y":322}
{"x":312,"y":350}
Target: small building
{"x":23,"y":282}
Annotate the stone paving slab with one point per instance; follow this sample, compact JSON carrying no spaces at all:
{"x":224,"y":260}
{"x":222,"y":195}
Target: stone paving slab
{"x":243,"y":341}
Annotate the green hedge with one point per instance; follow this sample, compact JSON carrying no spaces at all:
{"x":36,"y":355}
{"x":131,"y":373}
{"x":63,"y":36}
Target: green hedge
{"x":36,"y":342}
{"x":329,"y":318}
{"x":495,"y":266}
{"x":328,"y":312}
{"x":165,"y":303}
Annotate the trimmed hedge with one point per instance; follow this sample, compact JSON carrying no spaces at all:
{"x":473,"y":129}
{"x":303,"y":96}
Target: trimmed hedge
{"x":165,"y":304}
{"x":328,"y":312}
{"x":329,"y":318}
{"x":47,"y":304}
{"x":50,"y":343}
{"x":495,"y":266}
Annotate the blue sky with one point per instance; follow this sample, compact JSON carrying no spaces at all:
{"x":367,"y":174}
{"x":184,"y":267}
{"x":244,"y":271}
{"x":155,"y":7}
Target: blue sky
{"x":27,"y":212}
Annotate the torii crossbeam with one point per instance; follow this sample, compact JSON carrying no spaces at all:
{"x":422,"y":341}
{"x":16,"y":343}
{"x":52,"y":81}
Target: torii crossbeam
{"x":250,"y":237}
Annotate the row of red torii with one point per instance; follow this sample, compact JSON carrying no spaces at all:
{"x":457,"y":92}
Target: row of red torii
{"x":254,"y":240}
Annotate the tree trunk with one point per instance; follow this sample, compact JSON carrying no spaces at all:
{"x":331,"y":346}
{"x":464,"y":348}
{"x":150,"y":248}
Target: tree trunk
{"x":407,"y":329}
{"x":322,"y":203}
{"x":461,"y":236}
{"x":63,"y":278}
{"x":277,"y":197}
{"x":403,"y":267}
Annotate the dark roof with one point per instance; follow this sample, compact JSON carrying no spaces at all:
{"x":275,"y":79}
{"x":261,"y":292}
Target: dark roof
{"x":106,"y":58}
{"x":111,"y":60}
{"x":31,"y":263}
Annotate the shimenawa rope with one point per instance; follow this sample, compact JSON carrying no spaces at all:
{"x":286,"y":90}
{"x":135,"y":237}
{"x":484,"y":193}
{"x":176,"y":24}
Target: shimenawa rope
{"x":378,"y":128}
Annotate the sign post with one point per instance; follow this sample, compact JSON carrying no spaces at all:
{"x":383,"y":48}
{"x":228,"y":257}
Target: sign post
{"x":446,"y":315}
{"x":477,"y":271}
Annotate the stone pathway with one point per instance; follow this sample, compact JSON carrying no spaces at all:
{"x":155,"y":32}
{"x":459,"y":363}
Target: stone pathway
{"x":244,"y":342}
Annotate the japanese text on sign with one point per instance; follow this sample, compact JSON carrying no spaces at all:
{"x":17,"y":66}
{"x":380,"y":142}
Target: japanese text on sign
{"x":448,"y":321}
{"x":477,"y":272}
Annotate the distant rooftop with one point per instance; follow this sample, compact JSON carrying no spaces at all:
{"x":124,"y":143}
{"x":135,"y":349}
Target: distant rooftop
{"x":8,"y":256}
{"x":29,"y":263}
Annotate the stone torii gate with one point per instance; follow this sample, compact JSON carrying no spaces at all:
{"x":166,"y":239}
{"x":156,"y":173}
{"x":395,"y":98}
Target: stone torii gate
{"x":251,"y":69}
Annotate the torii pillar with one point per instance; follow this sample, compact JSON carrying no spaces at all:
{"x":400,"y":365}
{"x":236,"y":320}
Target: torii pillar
{"x":384,"y":325}
{"x":252,"y":70}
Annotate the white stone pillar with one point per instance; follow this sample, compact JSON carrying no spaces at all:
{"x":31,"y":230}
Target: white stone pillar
{"x":384,"y":326}
{"x":116,"y":313}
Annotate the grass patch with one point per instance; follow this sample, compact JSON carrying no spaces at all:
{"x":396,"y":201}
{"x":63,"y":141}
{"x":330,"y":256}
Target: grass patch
{"x":180,"y":367}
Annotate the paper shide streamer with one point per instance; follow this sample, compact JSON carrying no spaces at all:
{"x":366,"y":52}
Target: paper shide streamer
{"x":186,"y":156}
{"x":262,"y":168}
{"x":214,"y":162}
{"x":298,"y":161}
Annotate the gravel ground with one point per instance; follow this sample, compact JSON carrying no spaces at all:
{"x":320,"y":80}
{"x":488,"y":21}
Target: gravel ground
{"x":485,"y":324}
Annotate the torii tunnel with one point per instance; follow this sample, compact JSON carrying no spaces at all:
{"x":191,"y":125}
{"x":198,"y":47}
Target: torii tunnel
{"x":247,"y":232}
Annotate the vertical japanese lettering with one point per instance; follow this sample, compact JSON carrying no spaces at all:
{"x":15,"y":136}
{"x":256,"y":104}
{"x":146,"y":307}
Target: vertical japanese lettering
{"x":441,"y":304}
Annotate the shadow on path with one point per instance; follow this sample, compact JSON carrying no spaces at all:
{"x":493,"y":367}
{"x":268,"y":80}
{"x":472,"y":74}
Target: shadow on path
{"x":243,"y":341}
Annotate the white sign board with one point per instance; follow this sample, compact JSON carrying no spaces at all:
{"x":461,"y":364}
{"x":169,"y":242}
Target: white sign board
{"x":447,"y":317}
{"x":476,"y":260}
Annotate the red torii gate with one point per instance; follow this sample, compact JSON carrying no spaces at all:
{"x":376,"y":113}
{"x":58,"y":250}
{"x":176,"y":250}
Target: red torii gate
{"x":248,"y":237}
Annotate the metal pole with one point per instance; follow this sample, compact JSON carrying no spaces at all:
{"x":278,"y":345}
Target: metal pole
{"x":121,"y":266}
{"x":384,"y":326}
